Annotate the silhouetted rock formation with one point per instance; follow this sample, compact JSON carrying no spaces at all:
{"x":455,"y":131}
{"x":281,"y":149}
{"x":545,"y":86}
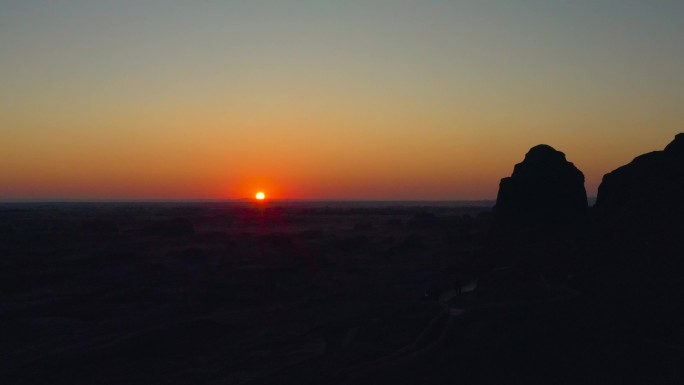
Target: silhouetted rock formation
{"x":640,"y":220}
{"x":544,"y":189}
{"x":540,"y":210}
{"x":648,"y":191}
{"x":637,"y":258}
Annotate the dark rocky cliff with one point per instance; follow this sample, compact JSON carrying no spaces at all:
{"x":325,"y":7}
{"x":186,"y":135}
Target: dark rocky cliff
{"x":649,"y":191}
{"x":544,"y":188}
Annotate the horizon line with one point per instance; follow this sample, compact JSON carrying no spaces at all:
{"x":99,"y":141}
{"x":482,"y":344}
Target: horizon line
{"x":199,"y":200}
{"x":466,"y":202}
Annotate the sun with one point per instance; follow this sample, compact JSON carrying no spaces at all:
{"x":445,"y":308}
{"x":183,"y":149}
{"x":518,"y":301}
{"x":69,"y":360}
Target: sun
{"x":260,"y":196}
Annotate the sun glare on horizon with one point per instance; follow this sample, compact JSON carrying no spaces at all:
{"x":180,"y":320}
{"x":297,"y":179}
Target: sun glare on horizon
{"x":260,"y":196}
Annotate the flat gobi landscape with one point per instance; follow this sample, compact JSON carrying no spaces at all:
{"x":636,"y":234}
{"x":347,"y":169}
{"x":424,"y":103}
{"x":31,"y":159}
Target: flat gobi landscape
{"x":230,"y":293}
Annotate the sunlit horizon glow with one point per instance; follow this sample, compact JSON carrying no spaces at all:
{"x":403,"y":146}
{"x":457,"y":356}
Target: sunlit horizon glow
{"x":383,"y":100}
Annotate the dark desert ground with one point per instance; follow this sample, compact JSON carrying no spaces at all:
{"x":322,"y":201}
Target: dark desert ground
{"x":223,"y":292}
{"x":544,"y":288}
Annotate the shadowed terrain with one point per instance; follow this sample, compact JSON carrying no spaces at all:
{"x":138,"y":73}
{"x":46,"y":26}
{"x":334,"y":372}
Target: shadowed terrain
{"x":220,"y":293}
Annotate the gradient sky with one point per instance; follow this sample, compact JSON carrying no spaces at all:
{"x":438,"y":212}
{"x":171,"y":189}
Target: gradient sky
{"x":318,"y":99}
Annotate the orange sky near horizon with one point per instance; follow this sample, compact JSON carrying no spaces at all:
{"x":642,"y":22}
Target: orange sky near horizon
{"x":386,"y":101}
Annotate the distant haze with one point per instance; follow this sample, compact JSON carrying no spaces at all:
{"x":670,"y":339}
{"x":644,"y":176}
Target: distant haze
{"x":384,"y":100}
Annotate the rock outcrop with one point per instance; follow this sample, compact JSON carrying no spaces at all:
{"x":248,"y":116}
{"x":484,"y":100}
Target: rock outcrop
{"x":637,"y":254}
{"x":649,"y":191}
{"x":544,"y":189}
{"x":540,"y":210}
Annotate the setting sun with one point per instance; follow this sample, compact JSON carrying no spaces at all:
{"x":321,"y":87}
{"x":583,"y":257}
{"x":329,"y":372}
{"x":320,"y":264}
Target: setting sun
{"x":260,"y":196}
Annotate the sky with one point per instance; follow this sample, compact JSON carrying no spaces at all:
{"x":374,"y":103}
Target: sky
{"x":405,"y":100}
